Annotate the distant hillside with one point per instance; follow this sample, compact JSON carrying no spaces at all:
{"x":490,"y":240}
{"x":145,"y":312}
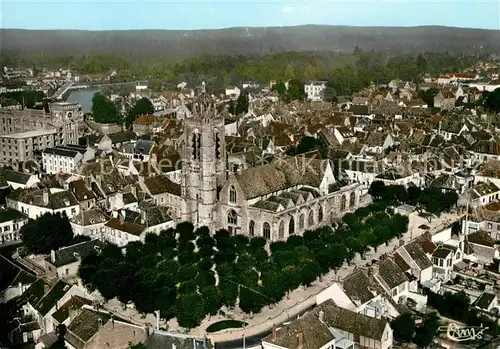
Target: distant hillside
{"x":174,"y":44}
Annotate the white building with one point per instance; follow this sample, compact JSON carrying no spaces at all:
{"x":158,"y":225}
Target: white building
{"x":233,"y":91}
{"x":35,"y":202}
{"x":61,"y":160}
{"x":11,"y":222}
{"x":315,"y":90}
{"x":64,"y":263}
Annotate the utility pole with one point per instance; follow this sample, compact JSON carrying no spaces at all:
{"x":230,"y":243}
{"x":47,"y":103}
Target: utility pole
{"x":157,"y":313}
{"x":244,"y":327}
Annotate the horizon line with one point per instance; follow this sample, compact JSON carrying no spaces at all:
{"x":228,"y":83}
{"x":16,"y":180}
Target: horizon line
{"x":257,"y":27}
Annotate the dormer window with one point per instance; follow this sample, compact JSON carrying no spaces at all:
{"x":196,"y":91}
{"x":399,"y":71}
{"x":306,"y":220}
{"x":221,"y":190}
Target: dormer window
{"x":232,"y":194}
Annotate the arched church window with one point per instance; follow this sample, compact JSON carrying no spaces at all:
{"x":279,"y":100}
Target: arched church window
{"x":232,"y":194}
{"x":266,"y":228}
{"x":320,"y":214}
{"x":251,"y":228}
{"x":310,"y":221}
{"x":281,"y":230}
{"x":301,"y":221}
{"x":232,"y":217}
{"x":291,"y":226}
{"x":343,"y":203}
{"x":352,"y":199}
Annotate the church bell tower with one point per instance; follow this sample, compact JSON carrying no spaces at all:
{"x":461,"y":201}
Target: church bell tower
{"x":203,"y":163}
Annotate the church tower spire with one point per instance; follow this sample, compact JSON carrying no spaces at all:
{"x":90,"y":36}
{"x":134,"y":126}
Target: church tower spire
{"x":203,"y":163}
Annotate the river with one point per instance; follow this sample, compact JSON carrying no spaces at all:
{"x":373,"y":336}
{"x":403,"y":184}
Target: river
{"x":84,"y":97}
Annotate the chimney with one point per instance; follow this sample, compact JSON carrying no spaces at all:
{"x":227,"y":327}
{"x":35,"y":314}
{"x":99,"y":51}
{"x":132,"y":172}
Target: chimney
{"x":52,"y":256}
{"x":153,"y":159}
{"x":115,"y":214}
{"x":20,"y":286}
{"x":300,"y":340}
{"x":45,"y":197}
{"x":273,"y":339}
{"x":321,"y":316}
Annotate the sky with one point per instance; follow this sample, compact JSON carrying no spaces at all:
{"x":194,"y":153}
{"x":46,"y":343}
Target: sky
{"x":204,"y":14}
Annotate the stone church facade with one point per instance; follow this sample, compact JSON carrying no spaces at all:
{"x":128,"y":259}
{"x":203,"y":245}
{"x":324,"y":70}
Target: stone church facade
{"x":289,"y":196}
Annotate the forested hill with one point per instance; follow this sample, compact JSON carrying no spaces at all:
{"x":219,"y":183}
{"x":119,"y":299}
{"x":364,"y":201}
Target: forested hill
{"x":175,"y":44}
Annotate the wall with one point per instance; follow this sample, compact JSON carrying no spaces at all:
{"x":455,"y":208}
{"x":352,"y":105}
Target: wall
{"x":335,"y":293}
{"x":104,"y":128}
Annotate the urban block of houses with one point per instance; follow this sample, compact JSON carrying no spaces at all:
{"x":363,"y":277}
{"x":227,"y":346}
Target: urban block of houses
{"x":64,"y":262}
{"x":330,"y":326}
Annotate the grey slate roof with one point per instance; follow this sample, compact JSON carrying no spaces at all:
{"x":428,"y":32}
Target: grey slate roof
{"x":391,"y":273}
{"x":69,"y":153}
{"x":315,"y":333}
{"x":15,"y":176}
{"x":349,"y":321}
{"x":71,"y":254}
{"x":484,"y":301}
{"x":289,"y":172}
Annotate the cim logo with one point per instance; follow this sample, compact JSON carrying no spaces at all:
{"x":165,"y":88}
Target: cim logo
{"x":462,"y":334}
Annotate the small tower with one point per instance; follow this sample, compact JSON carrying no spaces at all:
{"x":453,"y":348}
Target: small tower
{"x":203,"y":163}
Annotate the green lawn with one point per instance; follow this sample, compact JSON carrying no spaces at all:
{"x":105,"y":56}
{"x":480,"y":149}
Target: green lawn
{"x":222,"y":325}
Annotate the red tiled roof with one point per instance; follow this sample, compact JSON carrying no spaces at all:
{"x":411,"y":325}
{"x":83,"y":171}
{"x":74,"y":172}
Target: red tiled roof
{"x":145,"y":120}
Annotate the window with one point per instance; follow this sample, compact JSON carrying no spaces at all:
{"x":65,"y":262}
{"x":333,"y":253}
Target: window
{"x":352,"y":200}
{"x":490,"y":226}
{"x":343,"y":203}
{"x":251,"y":228}
{"x":310,"y":221}
{"x":266,"y":228}
{"x":394,"y":292}
{"x":232,"y":217}
{"x":320,"y":214}
{"x":281,"y":230}
{"x":291,"y":226}
{"x":232,"y":194}
{"x":301,"y":221}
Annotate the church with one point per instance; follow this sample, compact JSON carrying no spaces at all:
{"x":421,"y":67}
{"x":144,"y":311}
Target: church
{"x":276,"y":200}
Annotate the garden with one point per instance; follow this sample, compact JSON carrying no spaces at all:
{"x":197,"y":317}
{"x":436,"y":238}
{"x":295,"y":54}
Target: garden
{"x":189,"y":273}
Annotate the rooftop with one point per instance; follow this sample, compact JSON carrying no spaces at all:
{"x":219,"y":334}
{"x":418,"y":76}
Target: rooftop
{"x":30,"y":134}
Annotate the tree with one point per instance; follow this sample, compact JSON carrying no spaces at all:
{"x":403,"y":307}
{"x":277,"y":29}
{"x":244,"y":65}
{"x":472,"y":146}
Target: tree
{"x":190,"y":310}
{"x":48,"y":232}
{"x":403,"y":327}
{"x":427,"y":331}
{"x":376,"y":190}
{"x":280,"y":87}
{"x":241,"y":104}
{"x":88,"y":269}
{"x":211,"y":299}
{"x":421,"y":64}
{"x":103,"y":110}
{"x":143,"y":106}
{"x":295,"y":91}
{"x":492,"y":101}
